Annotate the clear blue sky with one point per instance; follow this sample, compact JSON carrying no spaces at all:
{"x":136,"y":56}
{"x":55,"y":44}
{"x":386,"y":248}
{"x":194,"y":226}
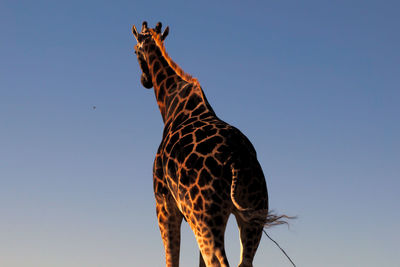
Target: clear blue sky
{"x":313,"y":84}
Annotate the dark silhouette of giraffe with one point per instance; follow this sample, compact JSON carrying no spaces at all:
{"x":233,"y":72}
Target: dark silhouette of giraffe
{"x":205,"y":169}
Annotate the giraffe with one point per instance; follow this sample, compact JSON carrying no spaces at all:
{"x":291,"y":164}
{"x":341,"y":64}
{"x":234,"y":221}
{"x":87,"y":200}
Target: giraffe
{"x":204,"y":169}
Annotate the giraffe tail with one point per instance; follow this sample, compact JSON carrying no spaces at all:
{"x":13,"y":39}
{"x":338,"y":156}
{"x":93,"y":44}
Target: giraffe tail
{"x":264,"y":217}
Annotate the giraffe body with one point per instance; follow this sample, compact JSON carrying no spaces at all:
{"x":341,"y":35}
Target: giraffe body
{"x":204,"y":169}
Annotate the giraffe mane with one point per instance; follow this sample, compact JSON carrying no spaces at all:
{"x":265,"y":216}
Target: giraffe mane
{"x":160,"y":44}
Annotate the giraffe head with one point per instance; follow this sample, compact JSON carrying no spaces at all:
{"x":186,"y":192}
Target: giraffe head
{"x":145,"y":39}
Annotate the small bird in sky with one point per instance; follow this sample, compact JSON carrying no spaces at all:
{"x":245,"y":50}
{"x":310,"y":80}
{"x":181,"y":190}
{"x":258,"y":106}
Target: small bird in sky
{"x":94,"y":107}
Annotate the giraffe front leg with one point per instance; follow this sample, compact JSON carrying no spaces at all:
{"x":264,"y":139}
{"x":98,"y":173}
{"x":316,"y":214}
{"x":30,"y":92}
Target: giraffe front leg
{"x":169,"y":221}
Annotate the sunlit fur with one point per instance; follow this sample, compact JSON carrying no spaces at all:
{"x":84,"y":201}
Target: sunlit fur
{"x":172,"y":64}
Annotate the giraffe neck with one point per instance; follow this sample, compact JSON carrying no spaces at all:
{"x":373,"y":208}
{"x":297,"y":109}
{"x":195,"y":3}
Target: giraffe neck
{"x":178,"y":94}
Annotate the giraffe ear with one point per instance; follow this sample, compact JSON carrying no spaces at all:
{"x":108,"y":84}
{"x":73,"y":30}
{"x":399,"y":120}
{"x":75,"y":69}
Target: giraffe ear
{"x":164,"y":34}
{"x":135,"y":33}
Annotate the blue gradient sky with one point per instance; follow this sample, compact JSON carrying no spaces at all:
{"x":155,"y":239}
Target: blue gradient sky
{"x":313,"y":84}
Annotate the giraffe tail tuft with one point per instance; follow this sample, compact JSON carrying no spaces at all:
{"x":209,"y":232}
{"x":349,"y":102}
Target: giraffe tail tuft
{"x":264,"y":217}
{"x":273,"y":219}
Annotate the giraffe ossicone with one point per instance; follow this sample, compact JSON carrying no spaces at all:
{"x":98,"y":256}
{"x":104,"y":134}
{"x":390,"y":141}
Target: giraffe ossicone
{"x":204,"y":169}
